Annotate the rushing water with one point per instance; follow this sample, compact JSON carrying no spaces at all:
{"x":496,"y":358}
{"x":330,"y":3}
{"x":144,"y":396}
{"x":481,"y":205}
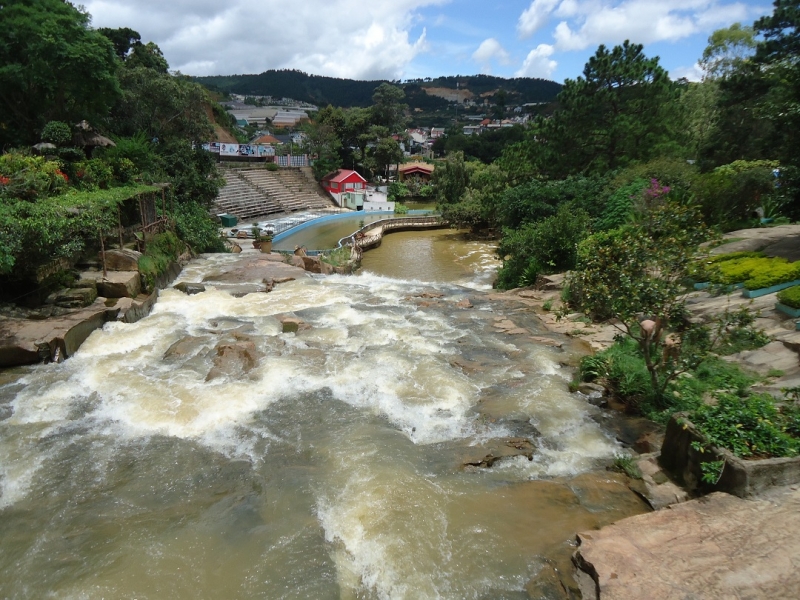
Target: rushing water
{"x":331,"y":466}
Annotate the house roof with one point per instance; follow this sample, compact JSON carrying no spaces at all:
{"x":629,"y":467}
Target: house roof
{"x":341,"y":175}
{"x":267,"y":139}
{"x":416,"y":166}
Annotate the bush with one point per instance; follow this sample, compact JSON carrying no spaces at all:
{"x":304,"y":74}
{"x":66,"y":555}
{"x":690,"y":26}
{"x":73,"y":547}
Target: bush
{"x":748,"y":427}
{"x":790,"y":296}
{"x":620,"y":205}
{"x":161,"y":250}
{"x":549,"y":246}
{"x":56,"y":132}
{"x":272,"y":166}
{"x":195,"y":226}
{"x":622,"y":369}
{"x":753,"y":269}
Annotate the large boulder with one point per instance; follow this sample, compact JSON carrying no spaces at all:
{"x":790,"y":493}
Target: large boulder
{"x":120,"y":284}
{"x":233,"y":359}
{"x":190,"y":289}
{"x":76,"y":297}
{"x":122,"y":260}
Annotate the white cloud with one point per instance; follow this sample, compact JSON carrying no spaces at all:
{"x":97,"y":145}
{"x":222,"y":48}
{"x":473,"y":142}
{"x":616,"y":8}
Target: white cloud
{"x":339,"y":38}
{"x":535,"y":17}
{"x":489,"y":50}
{"x":587,"y":23}
{"x":693,"y":73}
{"x":538,"y":63}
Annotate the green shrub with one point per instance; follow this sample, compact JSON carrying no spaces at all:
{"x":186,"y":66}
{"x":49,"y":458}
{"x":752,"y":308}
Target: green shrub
{"x":549,"y":246}
{"x":748,"y":427}
{"x":790,"y":296}
{"x":161,"y":250}
{"x":776,"y":274}
{"x":755,"y":270}
{"x":400,"y":208}
{"x":272,"y":167}
{"x":622,"y":369}
{"x":56,"y":132}
{"x":196,"y":227}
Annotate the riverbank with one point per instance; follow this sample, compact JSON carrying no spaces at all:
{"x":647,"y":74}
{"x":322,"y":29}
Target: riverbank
{"x":717,"y":546}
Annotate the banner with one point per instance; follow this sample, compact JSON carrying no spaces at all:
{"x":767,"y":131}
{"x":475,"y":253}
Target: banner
{"x":229,"y":149}
{"x":214,"y":147}
{"x":247,"y":150}
{"x":265,"y":151}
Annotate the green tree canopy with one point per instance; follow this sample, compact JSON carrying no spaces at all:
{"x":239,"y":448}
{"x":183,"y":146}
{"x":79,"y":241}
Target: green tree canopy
{"x":618,"y":112}
{"x":53,"y":67}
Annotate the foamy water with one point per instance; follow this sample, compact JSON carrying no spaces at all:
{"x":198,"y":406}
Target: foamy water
{"x":341,"y":445}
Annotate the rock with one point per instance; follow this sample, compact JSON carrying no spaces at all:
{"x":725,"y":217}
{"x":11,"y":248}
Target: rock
{"x":546,"y":341}
{"x":529,"y":294}
{"x":277,"y":280}
{"x":587,"y":389}
{"x":431,"y":295}
{"x":76,"y":297}
{"x":550,"y":282}
{"x":503,"y":323}
{"x":649,"y":442}
{"x":269,"y":284}
{"x":657,"y":489}
{"x":122,"y":260}
{"x":25,"y":341}
{"x":236,"y":249}
{"x":182,"y":348}
{"x":718,"y":546}
{"x":190,"y":289}
{"x":233,"y":359}
{"x":293,"y":324}
{"x":312,"y":264}
{"x":297,"y":261}
{"x":488,"y":454}
{"x":465,"y":303}
{"x":120,"y":284}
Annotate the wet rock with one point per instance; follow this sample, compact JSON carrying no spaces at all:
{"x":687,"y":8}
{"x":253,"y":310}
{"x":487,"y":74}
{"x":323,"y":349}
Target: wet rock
{"x":278,"y":280}
{"x":548,"y":584}
{"x":467,"y":366}
{"x":182,"y":348}
{"x":529,"y":294}
{"x":488,"y":454}
{"x":233,"y":359}
{"x":236,"y":248}
{"x":122,"y":260}
{"x":465,"y":303}
{"x":120,"y":284}
{"x":587,"y":389}
{"x":431,"y":295}
{"x":312,"y":264}
{"x":293,"y":324}
{"x":546,"y":341}
{"x":190,"y":289}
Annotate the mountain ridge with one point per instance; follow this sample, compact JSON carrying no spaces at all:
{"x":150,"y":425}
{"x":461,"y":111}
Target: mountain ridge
{"x":425,"y":94}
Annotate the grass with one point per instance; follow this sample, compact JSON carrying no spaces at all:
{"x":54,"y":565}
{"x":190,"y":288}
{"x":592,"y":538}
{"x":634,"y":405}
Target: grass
{"x":624,"y":463}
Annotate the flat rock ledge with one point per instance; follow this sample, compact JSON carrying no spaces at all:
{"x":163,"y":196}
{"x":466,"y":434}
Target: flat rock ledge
{"x":718,"y":546}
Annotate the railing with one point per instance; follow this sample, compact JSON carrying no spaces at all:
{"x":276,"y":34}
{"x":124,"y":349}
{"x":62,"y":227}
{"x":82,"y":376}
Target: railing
{"x":363,"y":239}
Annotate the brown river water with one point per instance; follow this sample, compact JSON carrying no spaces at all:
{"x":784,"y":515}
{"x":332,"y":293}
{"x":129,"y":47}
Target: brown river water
{"x":332,"y":469}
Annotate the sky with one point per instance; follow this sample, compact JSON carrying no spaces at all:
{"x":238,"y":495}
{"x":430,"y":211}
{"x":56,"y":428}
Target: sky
{"x":409,"y":39}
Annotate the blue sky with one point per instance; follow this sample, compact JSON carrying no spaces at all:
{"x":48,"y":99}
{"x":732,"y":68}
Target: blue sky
{"x":404,"y":39}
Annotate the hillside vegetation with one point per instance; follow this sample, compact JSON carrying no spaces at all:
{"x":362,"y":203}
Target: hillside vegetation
{"x":349,"y":92}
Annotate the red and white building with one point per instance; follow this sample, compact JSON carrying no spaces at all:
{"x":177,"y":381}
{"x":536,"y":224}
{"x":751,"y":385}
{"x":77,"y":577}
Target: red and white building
{"x":341,"y":181}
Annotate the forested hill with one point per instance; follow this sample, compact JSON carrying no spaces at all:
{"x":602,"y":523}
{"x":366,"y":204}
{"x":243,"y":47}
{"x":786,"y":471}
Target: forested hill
{"x":348,"y":92}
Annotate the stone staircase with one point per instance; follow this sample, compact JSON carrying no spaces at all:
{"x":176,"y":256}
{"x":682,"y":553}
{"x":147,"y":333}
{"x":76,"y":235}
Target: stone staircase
{"x":258,"y":192}
{"x":241,"y":198}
